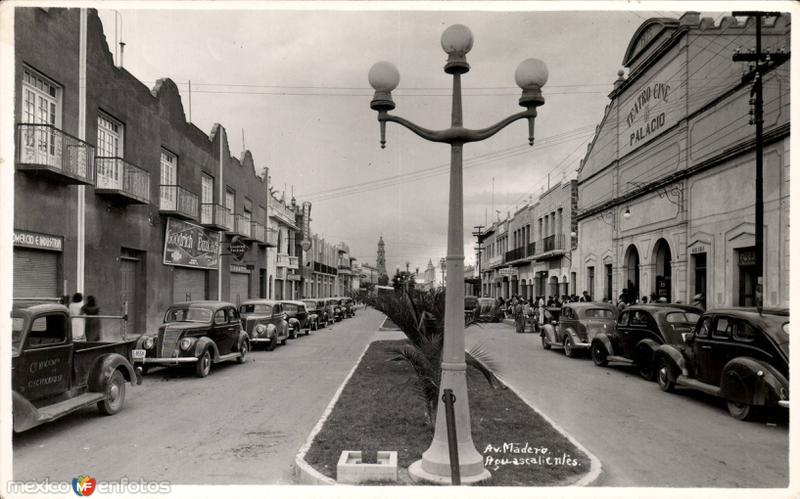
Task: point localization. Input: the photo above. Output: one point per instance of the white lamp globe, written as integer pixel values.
(531, 73)
(384, 76)
(457, 39)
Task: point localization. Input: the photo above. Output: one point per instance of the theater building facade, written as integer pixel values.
(666, 191)
(116, 195)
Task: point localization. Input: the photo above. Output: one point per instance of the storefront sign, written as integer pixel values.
(306, 242)
(190, 245)
(698, 249)
(293, 277)
(651, 108)
(239, 269)
(509, 272)
(38, 241)
(747, 257)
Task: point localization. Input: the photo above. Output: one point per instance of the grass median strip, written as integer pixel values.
(380, 410)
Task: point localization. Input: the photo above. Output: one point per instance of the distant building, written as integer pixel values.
(383, 277)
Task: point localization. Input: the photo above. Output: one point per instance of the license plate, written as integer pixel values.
(138, 354)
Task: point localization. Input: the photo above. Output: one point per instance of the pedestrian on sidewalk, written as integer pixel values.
(78, 333)
(92, 327)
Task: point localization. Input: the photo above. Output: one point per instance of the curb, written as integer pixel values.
(305, 474)
(596, 467)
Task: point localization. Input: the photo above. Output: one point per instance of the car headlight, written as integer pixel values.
(261, 329)
(186, 343)
(148, 343)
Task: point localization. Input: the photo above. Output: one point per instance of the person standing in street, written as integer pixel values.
(78, 324)
(519, 317)
(92, 326)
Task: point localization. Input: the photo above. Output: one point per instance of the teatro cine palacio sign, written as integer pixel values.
(651, 108)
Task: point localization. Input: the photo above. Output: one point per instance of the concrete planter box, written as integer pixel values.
(350, 469)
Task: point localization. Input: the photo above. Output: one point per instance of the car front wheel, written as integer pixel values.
(203, 366)
(599, 354)
(742, 411)
(545, 344)
(242, 352)
(664, 375)
(569, 347)
(115, 395)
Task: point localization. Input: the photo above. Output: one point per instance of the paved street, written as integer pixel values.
(643, 437)
(242, 424)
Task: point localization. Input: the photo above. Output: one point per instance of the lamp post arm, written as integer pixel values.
(485, 133)
(432, 135)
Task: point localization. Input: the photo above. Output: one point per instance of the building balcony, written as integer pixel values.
(515, 254)
(551, 247)
(216, 217)
(122, 181)
(324, 269)
(345, 270)
(261, 234)
(46, 151)
(531, 249)
(241, 226)
(290, 262)
(176, 201)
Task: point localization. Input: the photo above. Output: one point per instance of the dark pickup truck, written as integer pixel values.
(53, 376)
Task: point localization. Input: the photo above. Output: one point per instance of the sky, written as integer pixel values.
(291, 87)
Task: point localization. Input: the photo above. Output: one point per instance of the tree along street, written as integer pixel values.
(243, 424)
(642, 436)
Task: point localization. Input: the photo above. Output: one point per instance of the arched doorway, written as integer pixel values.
(564, 286)
(632, 272)
(523, 289)
(663, 281)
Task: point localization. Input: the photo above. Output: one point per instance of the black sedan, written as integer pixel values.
(196, 333)
(640, 330)
(737, 354)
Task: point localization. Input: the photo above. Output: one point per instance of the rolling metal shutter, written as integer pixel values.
(240, 286)
(188, 285)
(35, 274)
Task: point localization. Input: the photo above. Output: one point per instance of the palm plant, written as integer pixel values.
(420, 315)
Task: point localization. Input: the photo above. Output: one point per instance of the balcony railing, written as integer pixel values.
(554, 243)
(241, 225)
(215, 216)
(258, 232)
(124, 181)
(515, 254)
(325, 269)
(47, 151)
(290, 262)
(177, 201)
(531, 249)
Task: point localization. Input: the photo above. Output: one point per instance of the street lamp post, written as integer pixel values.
(531, 75)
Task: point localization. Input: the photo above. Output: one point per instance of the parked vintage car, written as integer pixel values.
(488, 311)
(317, 313)
(52, 376)
(470, 308)
(333, 309)
(737, 354)
(348, 307)
(198, 333)
(641, 329)
(298, 317)
(265, 322)
(575, 325)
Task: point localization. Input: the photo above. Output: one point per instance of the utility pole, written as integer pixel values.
(478, 233)
(762, 61)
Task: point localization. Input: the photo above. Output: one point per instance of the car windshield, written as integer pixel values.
(17, 324)
(289, 307)
(258, 308)
(470, 302)
(187, 314)
(690, 317)
(599, 313)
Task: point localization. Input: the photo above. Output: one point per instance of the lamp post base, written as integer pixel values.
(418, 474)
